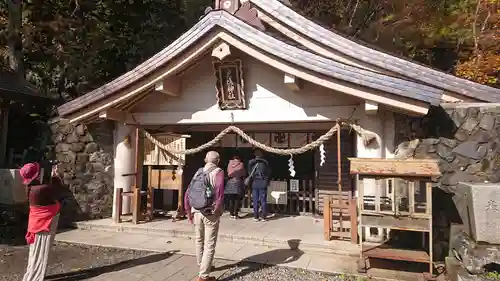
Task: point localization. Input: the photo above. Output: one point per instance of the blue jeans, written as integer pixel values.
(259, 195)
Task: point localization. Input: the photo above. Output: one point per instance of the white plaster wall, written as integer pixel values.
(269, 99)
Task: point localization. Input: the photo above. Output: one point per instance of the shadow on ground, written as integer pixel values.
(94, 272)
(264, 260)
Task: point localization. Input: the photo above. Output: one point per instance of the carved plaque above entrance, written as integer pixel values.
(229, 84)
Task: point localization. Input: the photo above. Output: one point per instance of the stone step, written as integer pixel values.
(344, 248)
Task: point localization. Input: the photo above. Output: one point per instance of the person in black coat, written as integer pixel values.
(260, 174)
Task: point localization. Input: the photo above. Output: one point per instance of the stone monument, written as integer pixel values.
(475, 244)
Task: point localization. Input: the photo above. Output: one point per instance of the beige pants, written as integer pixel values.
(206, 230)
(39, 253)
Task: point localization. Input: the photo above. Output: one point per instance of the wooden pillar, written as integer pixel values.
(327, 217)
(124, 164)
(4, 124)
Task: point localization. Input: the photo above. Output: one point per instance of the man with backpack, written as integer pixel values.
(204, 205)
(259, 180)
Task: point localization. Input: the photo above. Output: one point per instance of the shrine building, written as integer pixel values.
(284, 81)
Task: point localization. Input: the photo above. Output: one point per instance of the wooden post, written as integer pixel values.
(4, 123)
(136, 206)
(354, 220)
(136, 189)
(118, 206)
(327, 217)
(339, 179)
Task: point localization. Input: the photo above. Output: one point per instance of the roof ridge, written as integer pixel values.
(357, 50)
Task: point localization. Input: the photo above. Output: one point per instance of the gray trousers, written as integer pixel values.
(206, 230)
(39, 253)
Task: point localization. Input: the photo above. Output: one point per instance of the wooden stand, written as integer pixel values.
(388, 212)
(166, 179)
(136, 195)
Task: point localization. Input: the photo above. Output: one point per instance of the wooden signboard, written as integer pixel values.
(153, 155)
(298, 139)
(263, 138)
(279, 140)
(165, 179)
(394, 167)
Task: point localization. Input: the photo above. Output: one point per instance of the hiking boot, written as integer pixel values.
(210, 278)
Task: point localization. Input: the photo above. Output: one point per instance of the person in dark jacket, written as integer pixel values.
(235, 185)
(260, 173)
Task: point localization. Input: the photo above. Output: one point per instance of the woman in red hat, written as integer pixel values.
(43, 218)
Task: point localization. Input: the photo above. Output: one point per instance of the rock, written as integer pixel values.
(66, 157)
(82, 158)
(101, 157)
(487, 122)
(430, 141)
(63, 147)
(456, 177)
(457, 119)
(77, 147)
(91, 147)
(480, 136)
(470, 125)
(474, 168)
(462, 135)
(72, 138)
(97, 167)
(80, 130)
(473, 112)
(443, 151)
(461, 111)
(468, 149)
(448, 142)
(86, 138)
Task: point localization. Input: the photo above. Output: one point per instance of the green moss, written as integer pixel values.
(492, 275)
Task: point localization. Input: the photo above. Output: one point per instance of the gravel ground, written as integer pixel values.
(63, 258)
(253, 272)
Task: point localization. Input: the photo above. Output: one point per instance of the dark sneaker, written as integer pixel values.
(206, 279)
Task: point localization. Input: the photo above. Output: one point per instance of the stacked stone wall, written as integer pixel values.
(85, 157)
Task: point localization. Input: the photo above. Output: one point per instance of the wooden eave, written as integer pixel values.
(220, 25)
(17, 89)
(339, 44)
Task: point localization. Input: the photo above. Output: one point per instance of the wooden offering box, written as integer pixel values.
(395, 194)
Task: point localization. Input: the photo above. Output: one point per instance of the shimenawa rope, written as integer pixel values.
(366, 135)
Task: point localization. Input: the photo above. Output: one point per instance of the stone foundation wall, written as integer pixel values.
(85, 156)
(466, 141)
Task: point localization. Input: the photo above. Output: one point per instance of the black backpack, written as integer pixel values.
(200, 192)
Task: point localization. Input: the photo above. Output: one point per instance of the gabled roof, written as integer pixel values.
(13, 87)
(383, 60)
(268, 44)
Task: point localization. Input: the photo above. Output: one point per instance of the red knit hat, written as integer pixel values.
(30, 172)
